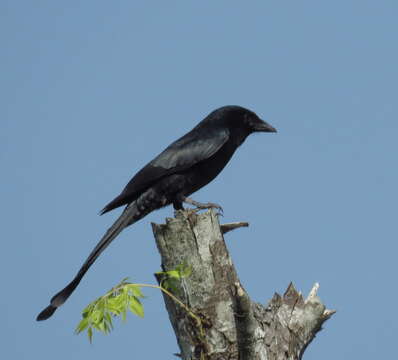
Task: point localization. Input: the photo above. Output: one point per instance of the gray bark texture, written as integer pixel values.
(227, 323)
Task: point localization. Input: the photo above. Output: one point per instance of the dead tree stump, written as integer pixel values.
(232, 326)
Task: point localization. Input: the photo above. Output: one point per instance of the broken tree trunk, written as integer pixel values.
(231, 325)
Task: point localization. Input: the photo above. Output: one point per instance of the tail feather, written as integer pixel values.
(129, 216)
(46, 313)
(118, 201)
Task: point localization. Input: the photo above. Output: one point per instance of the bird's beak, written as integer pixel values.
(263, 126)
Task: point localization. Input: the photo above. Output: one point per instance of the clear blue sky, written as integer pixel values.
(92, 90)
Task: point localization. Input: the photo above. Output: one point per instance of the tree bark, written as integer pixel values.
(231, 325)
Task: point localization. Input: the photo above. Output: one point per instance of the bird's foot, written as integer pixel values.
(201, 206)
(209, 205)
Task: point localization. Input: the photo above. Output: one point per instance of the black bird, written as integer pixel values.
(184, 167)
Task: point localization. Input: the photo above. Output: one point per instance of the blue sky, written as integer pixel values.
(91, 91)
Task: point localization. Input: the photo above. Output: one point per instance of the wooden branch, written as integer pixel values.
(232, 226)
(231, 325)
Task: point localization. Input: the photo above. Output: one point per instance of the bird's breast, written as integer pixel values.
(205, 171)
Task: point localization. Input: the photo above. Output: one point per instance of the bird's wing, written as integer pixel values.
(192, 148)
(187, 151)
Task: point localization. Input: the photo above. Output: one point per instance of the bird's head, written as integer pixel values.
(240, 118)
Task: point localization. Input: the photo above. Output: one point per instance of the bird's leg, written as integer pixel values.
(177, 205)
(200, 206)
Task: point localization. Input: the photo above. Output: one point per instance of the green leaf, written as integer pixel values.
(90, 334)
(97, 316)
(116, 302)
(174, 274)
(83, 324)
(108, 319)
(124, 314)
(136, 307)
(101, 326)
(179, 272)
(171, 284)
(136, 290)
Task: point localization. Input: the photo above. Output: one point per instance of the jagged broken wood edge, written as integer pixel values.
(303, 318)
(281, 330)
